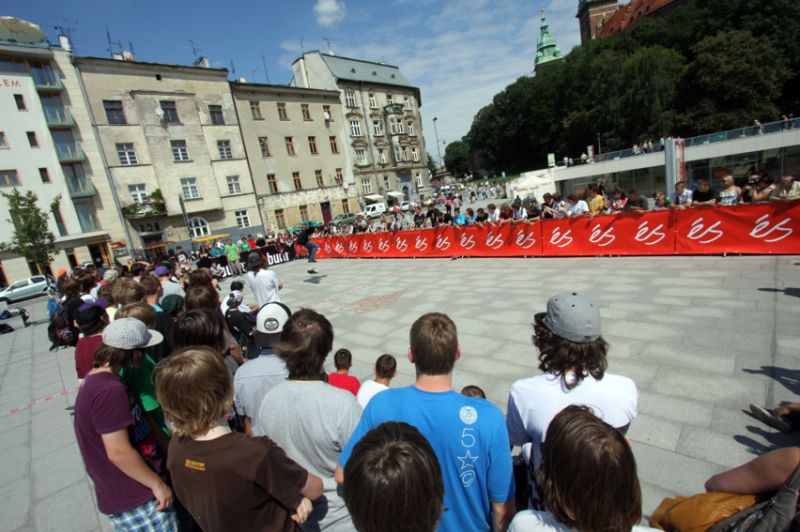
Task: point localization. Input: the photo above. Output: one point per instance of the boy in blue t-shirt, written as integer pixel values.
(467, 434)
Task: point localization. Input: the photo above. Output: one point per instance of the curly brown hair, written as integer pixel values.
(560, 356)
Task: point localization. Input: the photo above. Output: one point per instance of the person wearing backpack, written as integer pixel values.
(62, 331)
(241, 324)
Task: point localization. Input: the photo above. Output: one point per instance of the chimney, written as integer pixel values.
(65, 43)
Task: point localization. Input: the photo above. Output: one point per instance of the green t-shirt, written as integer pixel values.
(244, 246)
(139, 383)
(232, 252)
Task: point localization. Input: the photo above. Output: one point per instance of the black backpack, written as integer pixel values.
(59, 332)
(242, 328)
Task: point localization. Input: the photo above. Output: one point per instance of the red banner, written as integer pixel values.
(750, 229)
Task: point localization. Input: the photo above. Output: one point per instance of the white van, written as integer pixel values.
(374, 210)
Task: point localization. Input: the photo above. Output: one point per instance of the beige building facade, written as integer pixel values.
(296, 149)
(382, 122)
(171, 140)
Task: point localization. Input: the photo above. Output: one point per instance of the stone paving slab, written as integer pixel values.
(701, 336)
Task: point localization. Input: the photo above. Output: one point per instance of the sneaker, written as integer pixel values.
(315, 260)
(312, 271)
(766, 416)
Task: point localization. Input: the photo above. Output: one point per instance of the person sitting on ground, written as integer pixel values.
(263, 282)
(589, 478)
(311, 420)
(682, 197)
(730, 194)
(576, 207)
(636, 202)
(394, 472)
(597, 203)
(227, 480)
(91, 320)
(473, 391)
(168, 286)
(785, 418)
(703, 196)
(765, 474)
(789, 190)
(385, 370)
(126, 488)
(572, 355)
(472, 447)
(259, 375)
(343, 360)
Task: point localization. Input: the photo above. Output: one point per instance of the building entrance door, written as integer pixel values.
(326, 212)
(100, 255)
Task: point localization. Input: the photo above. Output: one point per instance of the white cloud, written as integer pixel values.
(329, 12)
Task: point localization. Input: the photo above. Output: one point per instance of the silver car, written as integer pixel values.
(27, 288)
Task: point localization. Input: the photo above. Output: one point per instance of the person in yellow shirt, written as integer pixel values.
(597, 203)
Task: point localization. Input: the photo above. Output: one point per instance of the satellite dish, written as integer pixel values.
(160, 112)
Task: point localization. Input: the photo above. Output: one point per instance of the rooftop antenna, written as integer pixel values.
(329, 41)
(233, 69)
(130, 47)
(113, 46)
(253, 74)
(195, 50)
(302, 45)
(264, 62)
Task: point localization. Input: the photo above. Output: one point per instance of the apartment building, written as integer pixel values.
(47, 146)
(381, 109)
(296, 149)
(171, 140)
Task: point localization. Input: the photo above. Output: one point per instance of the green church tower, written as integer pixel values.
(547, 50)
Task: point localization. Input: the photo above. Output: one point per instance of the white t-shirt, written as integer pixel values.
(264, 285)
(579, 208)
(532, 521)
(535, 401)
(368, 390)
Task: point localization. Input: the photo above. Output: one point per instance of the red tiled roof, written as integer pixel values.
(630, 14)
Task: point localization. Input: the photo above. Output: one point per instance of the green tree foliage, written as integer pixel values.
(431, 162)
(706, 66)
(456, 158)
(32, 237)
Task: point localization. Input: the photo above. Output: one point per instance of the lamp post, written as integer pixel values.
(599, 150)
(438, 149)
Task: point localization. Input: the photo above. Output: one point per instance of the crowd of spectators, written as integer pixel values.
(197, 412)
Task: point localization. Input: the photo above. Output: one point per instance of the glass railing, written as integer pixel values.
(47, 83)
(58, 117)
(80, 187)
(69, 152)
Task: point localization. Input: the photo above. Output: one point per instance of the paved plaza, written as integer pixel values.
(701, 336)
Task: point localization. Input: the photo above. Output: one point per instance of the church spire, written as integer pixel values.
(547, 50)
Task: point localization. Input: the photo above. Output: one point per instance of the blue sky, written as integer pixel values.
(459, 52)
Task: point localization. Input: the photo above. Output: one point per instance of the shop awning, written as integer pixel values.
(373, 197)
(210, 238)
(157, 245)
(395, 194)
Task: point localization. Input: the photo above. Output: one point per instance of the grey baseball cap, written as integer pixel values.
(571, 316)
(130, 333)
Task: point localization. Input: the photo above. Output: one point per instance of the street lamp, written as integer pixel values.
(599, 150)
(438, 149)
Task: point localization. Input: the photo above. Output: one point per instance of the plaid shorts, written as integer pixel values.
(145, 518)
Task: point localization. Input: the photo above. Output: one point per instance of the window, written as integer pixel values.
(255, 110)
(127, 155)
(189, 188)
(355, 128)
(419, 179)
(400, 127)
(273, 183)
(366, 185)
(410, 124)
(377, 127)
(216, 114)
(8, 178)
(4, 141)
(62, 227)
(290, 146)
(312, 145)
(339, 177)
(87, 215)
(381, 156)
(415, 154)
(334, 145)
(138, 193)
(114, 112)
(170, 112)
(282, 111)
(242, 219)
(198, 227)
(306, 112)
(373, 103)
(304, 213)
(407, 102)
(224, 147)
(263, 143)
(350, 98)
(386, 182)
(405, 153)
(345, 206)
(320, 181)
(389, 98)
(397, 153)
(392, 126)
(361, 156)
(234, 187)
(179, 150)
(32, 140)
(279, 219)
(20, 100)
(298, 183)
(44, 174)
(326, 112)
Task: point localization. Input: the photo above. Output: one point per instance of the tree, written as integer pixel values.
(456, 158)
(431, 164)
(31, 238)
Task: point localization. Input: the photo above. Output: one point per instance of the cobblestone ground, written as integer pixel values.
(701, 336)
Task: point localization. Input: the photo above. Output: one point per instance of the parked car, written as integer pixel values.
(27, 288)
(406, 205)
(373, 210)
(295, 229)
(344, 219)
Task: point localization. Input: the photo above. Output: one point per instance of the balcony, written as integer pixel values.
(47, 84)
(80, 188)
(59, 118)
(70, 153)
(144, 209)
